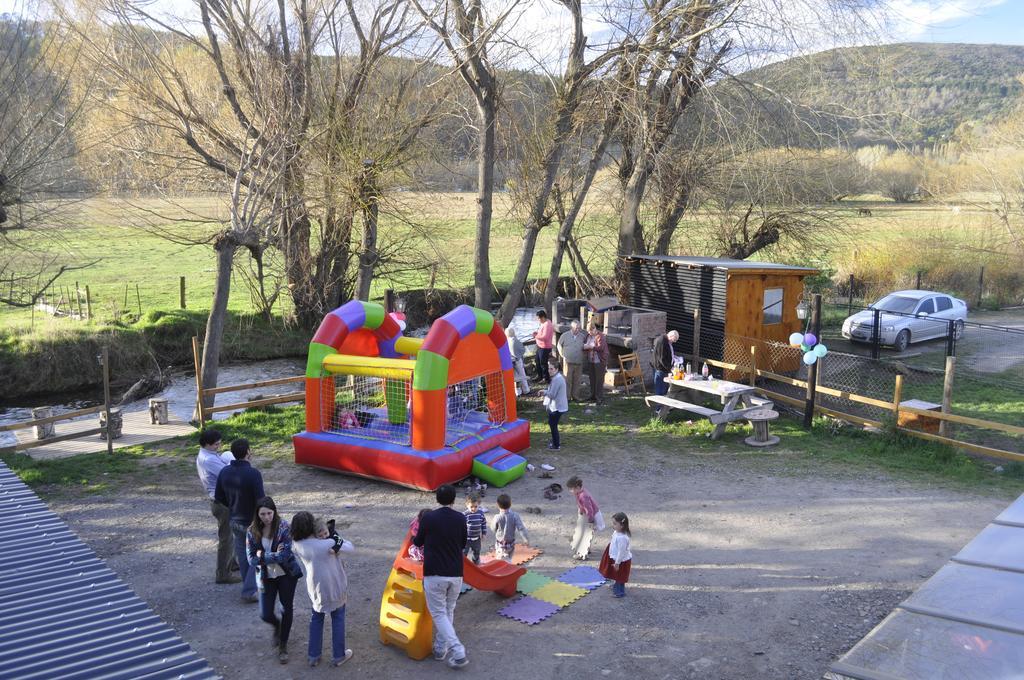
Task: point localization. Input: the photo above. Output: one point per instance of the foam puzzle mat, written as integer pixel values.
(558, 593)
(530, 581)
(522, 555)
(583, 576)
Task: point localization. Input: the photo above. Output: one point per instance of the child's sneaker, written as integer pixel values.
(458, 663)
(338, 662)
(440, 656)
(554, 448)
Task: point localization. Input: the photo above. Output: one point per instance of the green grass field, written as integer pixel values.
(137, 269)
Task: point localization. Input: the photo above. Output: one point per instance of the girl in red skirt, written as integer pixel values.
(617, 558)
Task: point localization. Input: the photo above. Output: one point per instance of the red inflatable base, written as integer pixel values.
(401, 464)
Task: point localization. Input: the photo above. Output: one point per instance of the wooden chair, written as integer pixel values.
(632, 372)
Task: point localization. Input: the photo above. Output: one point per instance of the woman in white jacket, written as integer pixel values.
(556, 401)
(321, 552)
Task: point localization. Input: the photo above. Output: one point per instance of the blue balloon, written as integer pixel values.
(810, 358)
(796, 339)
(820, 350)
(810, 340)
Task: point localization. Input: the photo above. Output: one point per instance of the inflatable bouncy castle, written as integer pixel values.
(417, 412)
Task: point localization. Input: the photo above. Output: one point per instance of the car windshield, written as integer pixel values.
(896, 303)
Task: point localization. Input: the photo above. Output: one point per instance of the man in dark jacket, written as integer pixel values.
(442, 535)
(239, 486)
(662, 361)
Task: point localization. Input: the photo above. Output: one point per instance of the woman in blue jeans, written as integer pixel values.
(321, 552)
(268, 545)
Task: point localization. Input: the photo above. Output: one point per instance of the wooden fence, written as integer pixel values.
(105, 407)
(203, 412)
(895, 406)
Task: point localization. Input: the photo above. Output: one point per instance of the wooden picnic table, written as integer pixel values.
(737, 400)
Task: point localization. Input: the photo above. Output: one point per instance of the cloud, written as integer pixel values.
(914, 18)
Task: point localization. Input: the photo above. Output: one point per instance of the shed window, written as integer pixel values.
(772, 306)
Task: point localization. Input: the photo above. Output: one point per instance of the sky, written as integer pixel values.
(961, 21)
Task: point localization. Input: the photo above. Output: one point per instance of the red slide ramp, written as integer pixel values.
(497, 576)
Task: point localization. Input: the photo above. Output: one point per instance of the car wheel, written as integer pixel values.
(902, 340)
(958, 329)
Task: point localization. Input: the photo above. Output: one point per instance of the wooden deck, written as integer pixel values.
(136, 430)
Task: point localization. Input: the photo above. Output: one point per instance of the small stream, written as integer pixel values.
(181, 392)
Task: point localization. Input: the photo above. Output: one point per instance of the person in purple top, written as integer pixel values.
(442, 535)
(239, 486)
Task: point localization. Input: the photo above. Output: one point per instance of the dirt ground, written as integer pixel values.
(745, 566)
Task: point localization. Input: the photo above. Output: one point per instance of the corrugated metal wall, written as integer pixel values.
(678, 291)
(65, 614)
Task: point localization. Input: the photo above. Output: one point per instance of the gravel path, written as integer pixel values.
(744, 566)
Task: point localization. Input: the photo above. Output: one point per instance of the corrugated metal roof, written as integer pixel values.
(65, 614)
(721, 262)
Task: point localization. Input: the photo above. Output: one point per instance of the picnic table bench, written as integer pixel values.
(737, 401)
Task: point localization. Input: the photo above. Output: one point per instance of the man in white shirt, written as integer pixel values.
(209, 463)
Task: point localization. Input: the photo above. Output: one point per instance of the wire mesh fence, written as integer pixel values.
(474, 406)
(366, 406)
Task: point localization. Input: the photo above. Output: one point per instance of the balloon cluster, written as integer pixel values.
(808, 343)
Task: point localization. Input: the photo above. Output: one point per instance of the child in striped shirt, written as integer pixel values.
(476, 527)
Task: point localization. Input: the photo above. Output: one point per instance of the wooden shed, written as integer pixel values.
(741, 302)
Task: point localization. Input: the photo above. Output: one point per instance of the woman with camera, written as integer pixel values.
(321, 549)
(268, 544)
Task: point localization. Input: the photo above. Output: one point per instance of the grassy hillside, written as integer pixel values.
(911, 93)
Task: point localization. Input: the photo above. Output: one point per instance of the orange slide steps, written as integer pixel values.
(404, 619)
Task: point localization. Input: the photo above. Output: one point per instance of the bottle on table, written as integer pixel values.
(705, 371)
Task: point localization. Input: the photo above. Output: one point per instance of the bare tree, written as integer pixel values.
(289, 62)
(568, 90)
(469, 29)
(685, 49)
(38, 175)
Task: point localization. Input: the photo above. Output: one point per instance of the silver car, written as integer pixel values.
(909, 316)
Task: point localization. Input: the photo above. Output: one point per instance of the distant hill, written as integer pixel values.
(914, 93)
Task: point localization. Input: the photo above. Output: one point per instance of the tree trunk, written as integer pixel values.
(225, 247)
(368, 256)
(629, 224)
(665, 229)
(486, 153)
(551, 163)
(569, 220)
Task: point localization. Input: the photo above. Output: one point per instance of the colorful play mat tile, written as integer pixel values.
(583, 576)
(522, 555)
(530, 581)
(558, 593)
(529, 610)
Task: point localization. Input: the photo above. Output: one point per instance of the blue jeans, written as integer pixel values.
(660, 386)
(542, 356)
(283, 588)
(553, 418)
(247, 573)
(619, 589)
(316, 634)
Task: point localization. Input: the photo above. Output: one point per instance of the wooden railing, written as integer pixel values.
(44, 441)
(203, 411)
(894, 406)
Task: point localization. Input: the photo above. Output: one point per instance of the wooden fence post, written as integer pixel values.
(88, 304)
(200, 412)
(106, 398)
(138, 298)
(849, 311)
(981, 286)
(753, 364)
(897, 397)
(696, 340)
(812, 370)
(945, 427)
(181, 292)
(78, 300)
